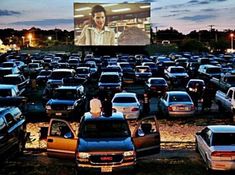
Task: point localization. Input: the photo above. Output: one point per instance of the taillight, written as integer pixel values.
(114, 110)
(134, 109)
(170, 108)
(223, 154)
(192, 107)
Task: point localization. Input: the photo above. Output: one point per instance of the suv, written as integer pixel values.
(104, 143)
(12, 131)
(66, 101)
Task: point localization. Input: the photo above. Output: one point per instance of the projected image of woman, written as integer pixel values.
(97, 33)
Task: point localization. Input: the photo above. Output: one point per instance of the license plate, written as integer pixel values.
(181, 108)
(105, 169)
(58, 113)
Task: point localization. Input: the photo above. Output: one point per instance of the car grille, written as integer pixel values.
(59, 107)
(106, 159)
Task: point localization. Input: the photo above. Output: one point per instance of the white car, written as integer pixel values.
(127, 103)
(216, 145)
(176, 103)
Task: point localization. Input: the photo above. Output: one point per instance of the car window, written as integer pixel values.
(59, 128)
(105, 129)
(147, 127)
(5, 92)
(230, 94)
(179, 98)
(109, 79)
(124, 100)
(223, 139)
(3, 126)
(10, 120)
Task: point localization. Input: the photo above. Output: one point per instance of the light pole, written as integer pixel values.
(23, 41)
(232, 35)
(30, 36)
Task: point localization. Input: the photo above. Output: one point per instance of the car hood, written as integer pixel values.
(178, 74)
(105, 144)
(60, 102)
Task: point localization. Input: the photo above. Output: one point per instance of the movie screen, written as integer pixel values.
(112, 24)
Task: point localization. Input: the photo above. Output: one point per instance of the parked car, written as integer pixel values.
(66, 101)
(176, 103)
(224, 83)
(84, 72)
(12, 132)
(104, 144)
(142, 73)
(17, 79)
(207, 71)
(127, 103)
(43, 76)
(11, 96)
(156, 86)
(177, 75)
(109, 82)
(196, 88)
(226, 102)
(216, 145)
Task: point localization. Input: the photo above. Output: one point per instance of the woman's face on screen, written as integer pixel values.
(99, 19)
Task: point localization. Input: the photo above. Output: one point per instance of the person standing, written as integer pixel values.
(97, 33)
(107, 106)
(95, 106)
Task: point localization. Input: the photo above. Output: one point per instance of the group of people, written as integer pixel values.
(98, 32)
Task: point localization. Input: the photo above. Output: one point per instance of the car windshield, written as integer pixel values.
(124, 100)
(213, 70)
(60, 75)
(33, 65)
(83, 71)
(231, 80)
(109, 79)
(45, 73)
(223, 139)
(158, 81)
(179, 98)
(142, 70)
(11, 80)
(65, 94)
(5, 92)
(177, 70)
(105, 129)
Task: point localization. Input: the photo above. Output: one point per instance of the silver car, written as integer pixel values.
(127, 103)
(216, 145)
(176, 103)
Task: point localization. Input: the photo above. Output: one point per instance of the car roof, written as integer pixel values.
(176, 92)
(115, 116)
(125, 94)
(4, 86)
(222, 128)
(12, 75)
(69, 87)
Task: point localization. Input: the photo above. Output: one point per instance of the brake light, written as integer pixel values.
(192, 107)
(223, 154)
(170, 108)
(134, 109)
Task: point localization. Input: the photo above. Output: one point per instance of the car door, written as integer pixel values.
(61, 139)
(146, 136)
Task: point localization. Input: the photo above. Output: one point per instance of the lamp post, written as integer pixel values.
(23, 41)
(232, 35)
(30, 36)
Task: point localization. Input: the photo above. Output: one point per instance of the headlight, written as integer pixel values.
(129, 153)
(70, 107)
(83, 155)
(48, 107)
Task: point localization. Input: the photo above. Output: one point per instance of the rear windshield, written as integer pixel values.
(213, 70)
(179, 98)
(223, 139)
(109, 79)
(124, 100)
(105, 129)
(160, 81)
(5, 92)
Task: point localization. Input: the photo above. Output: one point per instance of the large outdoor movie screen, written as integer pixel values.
(112, 24)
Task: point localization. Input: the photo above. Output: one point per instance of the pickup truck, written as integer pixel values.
(226, 102)
(103, 144)
(12, 132)
(11, 96)
(224, 83)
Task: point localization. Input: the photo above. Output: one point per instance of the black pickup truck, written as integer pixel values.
(224, 83)
(12, 132)
(11, 96)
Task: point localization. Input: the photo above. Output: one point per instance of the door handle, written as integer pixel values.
(49, 140)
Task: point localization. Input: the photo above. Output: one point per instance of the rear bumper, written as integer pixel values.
(181, 113)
